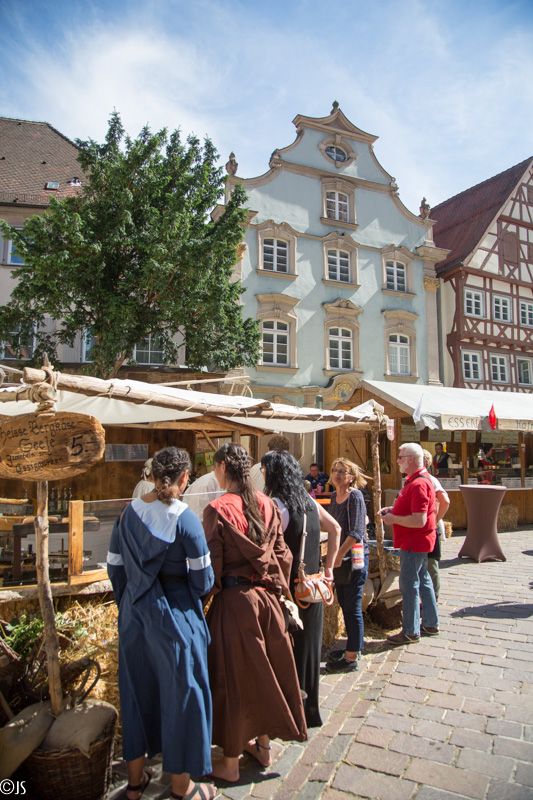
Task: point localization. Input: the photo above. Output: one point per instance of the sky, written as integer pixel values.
(446, 85)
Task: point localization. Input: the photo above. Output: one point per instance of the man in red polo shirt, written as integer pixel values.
(413, 521)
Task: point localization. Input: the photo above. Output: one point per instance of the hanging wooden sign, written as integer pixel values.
(49, 446)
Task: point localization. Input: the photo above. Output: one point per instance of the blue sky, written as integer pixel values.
(447, 85)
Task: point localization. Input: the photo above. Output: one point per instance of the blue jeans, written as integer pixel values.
(350, 597)
(416, 586)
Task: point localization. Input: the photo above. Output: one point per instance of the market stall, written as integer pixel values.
(170, 413)
(486, 438)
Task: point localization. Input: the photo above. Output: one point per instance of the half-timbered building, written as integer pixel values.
(486, 294)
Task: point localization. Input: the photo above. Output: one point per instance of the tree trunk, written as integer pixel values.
(51, 643)
(378, 521)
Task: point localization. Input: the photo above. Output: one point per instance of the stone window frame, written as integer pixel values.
(334, 241)
(399, 255)
(336, 140)
(401, 322)
(339, 337)
(333, 184)
(276, 306)
(284, 232)
(479, 357)
(342, 314)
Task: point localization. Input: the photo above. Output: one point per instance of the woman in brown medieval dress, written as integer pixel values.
(253, 676)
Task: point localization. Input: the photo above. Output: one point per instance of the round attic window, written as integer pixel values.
(336, 153)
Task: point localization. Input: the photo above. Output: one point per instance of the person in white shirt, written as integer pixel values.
(146, 484)
(201, 492)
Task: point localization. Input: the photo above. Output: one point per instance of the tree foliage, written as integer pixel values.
(136, 253)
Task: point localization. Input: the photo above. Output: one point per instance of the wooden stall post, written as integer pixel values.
(522, 457)
(464, 456)
(75, 538)
(51, 641)
(376, 491)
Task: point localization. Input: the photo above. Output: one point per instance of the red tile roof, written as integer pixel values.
(31, 155)
(462, 220)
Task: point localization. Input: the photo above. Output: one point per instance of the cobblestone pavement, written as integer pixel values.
(446, 719)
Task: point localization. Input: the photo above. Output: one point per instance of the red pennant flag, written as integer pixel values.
(492, 418)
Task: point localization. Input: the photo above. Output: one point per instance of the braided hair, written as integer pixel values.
(238, 465)
(168, 466)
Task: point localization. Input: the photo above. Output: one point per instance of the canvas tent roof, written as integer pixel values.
(446, 408)
(119, 402)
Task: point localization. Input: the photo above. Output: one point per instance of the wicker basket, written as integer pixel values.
(71, 775)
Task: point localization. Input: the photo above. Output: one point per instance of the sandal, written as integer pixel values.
(255, 746)
(198, 787)
(140, 787)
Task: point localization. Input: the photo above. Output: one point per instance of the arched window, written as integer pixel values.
(340, 349)
(275, 338)
(276, 250)
(399, 356)
(339, 266)
(396, 276)
(338, 203)
(275, 255)
(337, 206)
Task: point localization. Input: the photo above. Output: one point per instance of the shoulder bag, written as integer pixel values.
(310, 588)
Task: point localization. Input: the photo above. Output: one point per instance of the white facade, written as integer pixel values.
(338, 272)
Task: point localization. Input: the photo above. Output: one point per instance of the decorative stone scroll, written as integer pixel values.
(49, 446)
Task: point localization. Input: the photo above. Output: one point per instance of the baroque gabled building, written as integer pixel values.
(339, 273)
(486, 295)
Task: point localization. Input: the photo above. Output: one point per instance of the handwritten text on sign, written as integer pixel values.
(49, 446)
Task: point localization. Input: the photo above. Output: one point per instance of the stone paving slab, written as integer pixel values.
(450, 718)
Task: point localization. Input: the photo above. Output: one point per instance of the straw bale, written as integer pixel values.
(448, 528)
(508, 518)
(99, 618)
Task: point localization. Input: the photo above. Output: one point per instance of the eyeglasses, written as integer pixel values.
(399, 457)
(340, 472)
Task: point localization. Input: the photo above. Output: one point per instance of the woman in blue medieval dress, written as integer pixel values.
(160, 568)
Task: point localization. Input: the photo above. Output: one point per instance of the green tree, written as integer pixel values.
(135, 253)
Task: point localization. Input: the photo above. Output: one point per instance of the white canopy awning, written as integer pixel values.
(446, 408)
(119, 402)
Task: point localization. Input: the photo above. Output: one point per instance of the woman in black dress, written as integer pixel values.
(284, 482)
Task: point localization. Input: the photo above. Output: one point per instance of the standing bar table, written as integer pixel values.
(482, 506)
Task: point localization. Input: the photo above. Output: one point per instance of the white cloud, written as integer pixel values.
(446, 89)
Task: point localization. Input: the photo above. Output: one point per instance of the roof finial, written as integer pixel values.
(425, 209)
(335, 106)
(231, 165)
